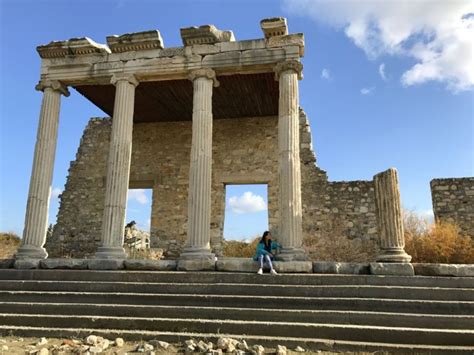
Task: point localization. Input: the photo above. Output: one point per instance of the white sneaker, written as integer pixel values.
(260, 271)
(273, 272)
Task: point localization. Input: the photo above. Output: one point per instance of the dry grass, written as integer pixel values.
(238, 249)
(436, 242)
(9, 243)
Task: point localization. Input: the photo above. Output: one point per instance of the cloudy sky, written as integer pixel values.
(387, 83)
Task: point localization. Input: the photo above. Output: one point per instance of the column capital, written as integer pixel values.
(56, 85)
(292, 65)
(204, 73)
(124, 77)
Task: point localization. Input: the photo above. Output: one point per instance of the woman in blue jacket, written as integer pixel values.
(265, 251)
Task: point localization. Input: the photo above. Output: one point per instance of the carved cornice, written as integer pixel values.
(204, 73)
(273, 27)
(137, 41)
(124, 77)
(206, 34)
(52, 84)
(73, 46)
(292, 65)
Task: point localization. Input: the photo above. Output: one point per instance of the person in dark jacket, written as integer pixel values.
(265, 251)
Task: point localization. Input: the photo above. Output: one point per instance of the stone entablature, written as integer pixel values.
(453, 202)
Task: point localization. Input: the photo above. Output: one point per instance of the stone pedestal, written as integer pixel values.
(199, 196)
(389, 218)
(290, 227)
(36, 219)
(118, 169)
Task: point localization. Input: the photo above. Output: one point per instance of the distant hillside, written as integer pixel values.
(9, 243)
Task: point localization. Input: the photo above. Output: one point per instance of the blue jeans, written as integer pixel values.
(267, 259)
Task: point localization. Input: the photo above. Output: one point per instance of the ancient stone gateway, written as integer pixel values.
(187, 121)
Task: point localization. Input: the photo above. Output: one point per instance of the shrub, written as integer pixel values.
(9, 243)
(439, 242)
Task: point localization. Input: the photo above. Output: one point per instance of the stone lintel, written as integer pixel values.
(398, 269)
(296, 39)
(73, 46)
(206, 34)
(136, 41)
(275, 26)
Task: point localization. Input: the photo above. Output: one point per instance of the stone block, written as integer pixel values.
(63, 264)
(458, 270)
(27, 263)
(398, 269)
(275, 26)
(206, 34)
(105, 264)
(143, 264)
(329, 267)
(136, 41)
(196, 265)
(237, 265)
(293, 266)
(6, 263)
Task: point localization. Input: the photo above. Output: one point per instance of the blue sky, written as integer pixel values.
(383, 86)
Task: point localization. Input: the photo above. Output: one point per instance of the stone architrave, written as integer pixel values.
(36, 219)
(389, 218)
(118, 169)
(199, 196)
(290, 228)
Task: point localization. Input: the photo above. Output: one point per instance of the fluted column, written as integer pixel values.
(389, 218)
(290, 226)
(199, 195)
(36, 219)
(118, 169)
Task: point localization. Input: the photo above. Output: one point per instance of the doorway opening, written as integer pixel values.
(138, 222)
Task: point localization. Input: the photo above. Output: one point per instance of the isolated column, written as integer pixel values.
(199, 196)
(36, 219)
(290, 228)
(389, 218)
(118, 169)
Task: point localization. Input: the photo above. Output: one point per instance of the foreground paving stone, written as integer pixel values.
(105, 264)
(27, 264)
(459, 270)
(328, 267)
(399, 269)
(197, 265)
(63, 264)
(6, 263)
(143, 264)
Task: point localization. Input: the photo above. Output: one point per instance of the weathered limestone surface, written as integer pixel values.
(453, 202)
(27, 263)
(6, 263)
(458, 270)
(118, 169)
(105, 264)
(389, 217)
(143, 264)
(400, 269)
(201, 264)
(62, 263)
(328, 267)
(36, 219)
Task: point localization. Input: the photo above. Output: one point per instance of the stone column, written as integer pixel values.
(389, 218)
(199, 195)
(36, 219)
(118, 169)
(290, 225)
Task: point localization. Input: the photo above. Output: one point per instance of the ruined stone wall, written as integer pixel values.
(453, 202)
(244, 152)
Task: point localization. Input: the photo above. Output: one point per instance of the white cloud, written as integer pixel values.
(438, 35)
(382, 72)
(56, 192)
(247, 203)
(138, 195)
(367, 91)
(326, 74)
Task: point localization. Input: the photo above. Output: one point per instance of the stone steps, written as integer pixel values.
(349, 312)
(339, 291)
(373, 318)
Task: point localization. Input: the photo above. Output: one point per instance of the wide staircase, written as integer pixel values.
(330, 312)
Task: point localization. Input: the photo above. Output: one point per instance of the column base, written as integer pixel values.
(192, 253)
(110, 253)
(393, 255)
(31, 252)
(292, 254)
